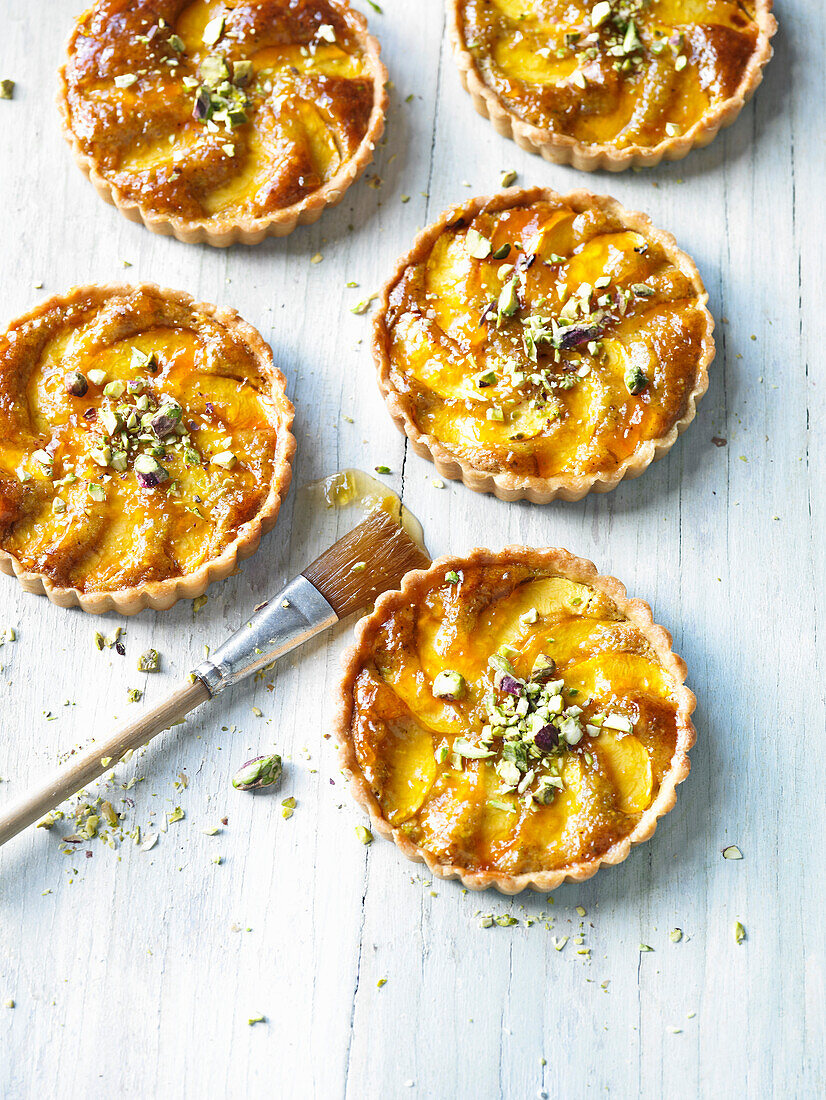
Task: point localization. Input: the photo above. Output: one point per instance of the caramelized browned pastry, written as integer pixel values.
(144, 446)
(209, 115)
(540, 345)
(611, 83)
(513, 719)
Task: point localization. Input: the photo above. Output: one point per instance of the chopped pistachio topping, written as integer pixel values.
(6, 89)
(213, 30)
(739, 932)
(449, 685)
(477, 245)
(364, 834)
(732, 852)
(529, 728)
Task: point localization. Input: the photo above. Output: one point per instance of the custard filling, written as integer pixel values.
(544, 341)
(513, 720)
(616, 72)
(211, 108)
(138, 437)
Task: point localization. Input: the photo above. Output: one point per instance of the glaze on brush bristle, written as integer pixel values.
(369, 560)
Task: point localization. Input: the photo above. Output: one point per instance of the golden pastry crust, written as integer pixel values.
(451, 803)
(221, 121)
(603, 96)
(145, 447)
(496, 398)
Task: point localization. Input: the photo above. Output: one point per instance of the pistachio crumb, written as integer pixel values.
(364, 834)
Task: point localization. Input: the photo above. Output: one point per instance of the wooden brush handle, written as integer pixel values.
(88, 765)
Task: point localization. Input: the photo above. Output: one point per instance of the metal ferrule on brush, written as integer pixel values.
(285, 622)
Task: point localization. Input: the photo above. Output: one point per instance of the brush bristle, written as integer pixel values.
(367, 561)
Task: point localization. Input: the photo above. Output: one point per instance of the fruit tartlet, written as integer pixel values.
(513, 719)
(145, 447)
(222, 120)
(611, 83)
(538, 345)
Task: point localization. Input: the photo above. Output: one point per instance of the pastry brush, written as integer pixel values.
(367, 561)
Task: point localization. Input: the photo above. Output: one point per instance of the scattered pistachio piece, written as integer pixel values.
(732, 852)
(134, 694)
(256, 1020)
(363, 305)
(262, 771)
(676, 935)
(381, 982)
(739, 932)
(508, 178)
(6, 89)
(364, 834)
(149, 661)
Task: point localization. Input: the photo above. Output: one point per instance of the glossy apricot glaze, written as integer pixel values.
(611, 72)
(545, 339)
(208, 109)
(511, 720)
(138, 436)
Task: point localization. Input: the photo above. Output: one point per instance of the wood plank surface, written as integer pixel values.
(134, 973)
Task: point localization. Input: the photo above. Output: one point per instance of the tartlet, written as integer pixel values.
(222, 120)
(539, 345)
(513, 720)
(145, 447)
(611, 83)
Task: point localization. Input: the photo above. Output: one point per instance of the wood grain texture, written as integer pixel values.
(135, 973)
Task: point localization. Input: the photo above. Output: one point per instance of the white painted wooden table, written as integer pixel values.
(135, 973)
